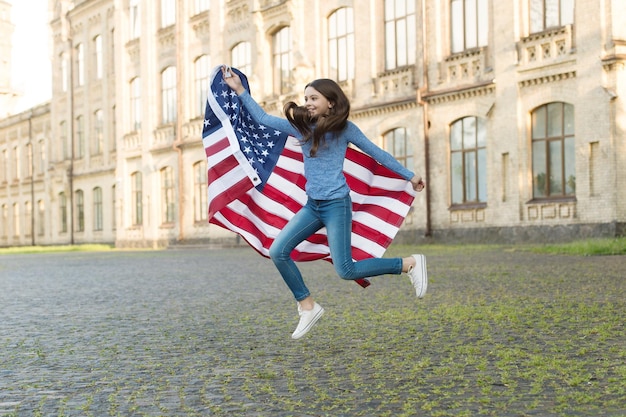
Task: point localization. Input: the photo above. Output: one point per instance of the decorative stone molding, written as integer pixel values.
(464, 68)
(164, 136)
(396, 83)
(557, 211)
(133, 48)
(200, 24)
(131, 141)
(545, 79)
(385, 108)
(461, 93)
(545, 48)
(167, 37)
(470, 215)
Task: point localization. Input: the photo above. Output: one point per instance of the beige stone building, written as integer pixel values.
(513, 111)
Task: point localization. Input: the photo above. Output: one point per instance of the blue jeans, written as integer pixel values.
(336, 215)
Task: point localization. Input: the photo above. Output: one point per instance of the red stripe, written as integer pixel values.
(217, 147)
(382, 213)
(224, 198)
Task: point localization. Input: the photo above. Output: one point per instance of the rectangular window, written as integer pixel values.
(400, 33)
(135, 104)
(135, 20)
(282, 61)
(137, 196)
(168, 13)
(202, 71)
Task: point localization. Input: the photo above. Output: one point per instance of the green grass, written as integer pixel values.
(588, 247)
(57, 248)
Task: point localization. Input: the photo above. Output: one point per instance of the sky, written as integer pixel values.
(32, 70)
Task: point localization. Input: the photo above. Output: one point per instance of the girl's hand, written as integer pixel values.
(232, 79)
(418, 183)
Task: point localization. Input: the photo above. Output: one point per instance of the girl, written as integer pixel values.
(323, 129)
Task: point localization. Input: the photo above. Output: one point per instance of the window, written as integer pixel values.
(5, 220)
(65, 149)
(168, 95)
(80, 137)
(112, 142)
(80, 64)
(200, 191)
(468, 161)
(282, 60)
(167, 195)
(42, 156)
(168, 13)
(469, 24)
(135, 104)
(80, 211)
(16, 163)
(201, 5)
(64, 72)
(63, 212)
(98, 137)
(137, 203)
(341, 44)
(4, 172)
(16, 220)
(28, 219)
(554, 171)
(397, 143)
(97, 50)
(113, 209)
(97, 209)
(202, 67)
(41, 218)
(546, 14)
(29, 160)
(400, 33)
(241, 57)
(135, 20)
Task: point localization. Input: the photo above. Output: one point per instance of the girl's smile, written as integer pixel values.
(316, 103)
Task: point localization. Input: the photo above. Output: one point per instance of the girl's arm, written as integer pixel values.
(383, 157)
(256, 111)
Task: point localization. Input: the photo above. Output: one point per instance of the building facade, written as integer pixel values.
(513, 112)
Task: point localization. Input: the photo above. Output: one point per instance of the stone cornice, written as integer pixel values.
(460, 93)
(545, 79)
(385, 108)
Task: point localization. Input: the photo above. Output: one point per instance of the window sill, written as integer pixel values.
(467, 206)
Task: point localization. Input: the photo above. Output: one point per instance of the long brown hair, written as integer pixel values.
(335, 121)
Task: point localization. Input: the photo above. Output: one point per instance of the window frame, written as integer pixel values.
(341, 59)
(471, 184)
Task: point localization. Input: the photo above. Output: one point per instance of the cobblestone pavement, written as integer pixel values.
(200, 332)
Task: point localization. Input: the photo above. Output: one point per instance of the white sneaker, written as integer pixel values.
(308, 318)
(418, 275)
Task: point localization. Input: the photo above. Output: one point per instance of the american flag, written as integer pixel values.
(256, 183)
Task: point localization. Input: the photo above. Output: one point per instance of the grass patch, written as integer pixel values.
(57, 248)
(588, 247)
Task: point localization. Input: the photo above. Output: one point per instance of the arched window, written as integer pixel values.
(396, 142)
(80, 210)
(97, 209)
(167, 196)
(137, 198)
(168, 95)
(62, 213)
(202, 67)
(468, 161)
(241, 57)
(200, 207)
(554, 170)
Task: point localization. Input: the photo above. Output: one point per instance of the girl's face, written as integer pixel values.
(316, 103)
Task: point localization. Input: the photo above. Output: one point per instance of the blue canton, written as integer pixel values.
(261, 145)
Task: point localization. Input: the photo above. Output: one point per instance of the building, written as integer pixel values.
(512, 111)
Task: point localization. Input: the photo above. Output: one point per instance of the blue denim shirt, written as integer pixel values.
(324, 175)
